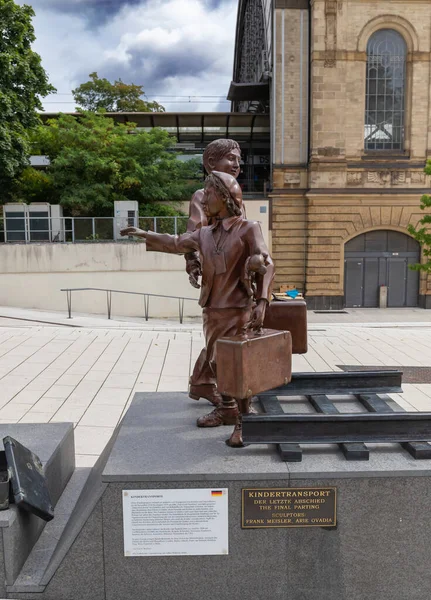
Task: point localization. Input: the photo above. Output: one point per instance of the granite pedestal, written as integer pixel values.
(380, 548)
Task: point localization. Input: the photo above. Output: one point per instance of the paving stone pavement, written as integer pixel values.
(88, 375)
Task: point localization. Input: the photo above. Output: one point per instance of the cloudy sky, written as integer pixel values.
(171, 47)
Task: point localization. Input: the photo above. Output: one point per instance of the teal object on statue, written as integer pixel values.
(292, 294)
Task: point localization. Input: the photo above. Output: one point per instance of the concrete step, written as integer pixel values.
(19, 530)
(31, 575)
(51, 568)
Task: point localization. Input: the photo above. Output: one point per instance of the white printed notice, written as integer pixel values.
(175, 522)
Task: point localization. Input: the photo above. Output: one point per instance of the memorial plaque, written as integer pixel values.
(289, 507)
(177, 522)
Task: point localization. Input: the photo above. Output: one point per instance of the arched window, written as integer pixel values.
(385, 91)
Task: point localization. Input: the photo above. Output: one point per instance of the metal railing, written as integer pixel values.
(109, 299)
(81, 229)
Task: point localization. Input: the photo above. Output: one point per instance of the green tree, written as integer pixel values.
(95, 161)
(33, 185)
(22, 81)
(422, 232)
(100, 94)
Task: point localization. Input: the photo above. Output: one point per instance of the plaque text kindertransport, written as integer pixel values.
(288, 507)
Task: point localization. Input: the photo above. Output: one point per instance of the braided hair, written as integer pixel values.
(216, 182)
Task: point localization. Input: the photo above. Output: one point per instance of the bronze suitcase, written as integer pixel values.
(253, 363)
(289, 315)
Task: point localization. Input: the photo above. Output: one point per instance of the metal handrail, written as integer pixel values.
(109, 299)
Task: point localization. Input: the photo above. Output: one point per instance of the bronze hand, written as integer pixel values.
(133, 231)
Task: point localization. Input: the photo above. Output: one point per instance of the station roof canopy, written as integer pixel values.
(196, 127)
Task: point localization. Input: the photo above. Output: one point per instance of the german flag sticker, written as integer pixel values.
(216, 493)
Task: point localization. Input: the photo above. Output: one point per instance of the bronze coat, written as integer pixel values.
(241, 239)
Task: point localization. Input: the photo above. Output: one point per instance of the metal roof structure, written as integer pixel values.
(198, 128)
(193, 131)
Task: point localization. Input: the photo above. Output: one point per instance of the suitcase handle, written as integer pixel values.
(256, 332)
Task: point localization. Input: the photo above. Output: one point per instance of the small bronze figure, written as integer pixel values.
(224, 247)
(253, 264)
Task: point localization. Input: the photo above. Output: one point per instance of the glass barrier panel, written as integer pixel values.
(104, 229)
(83, 229)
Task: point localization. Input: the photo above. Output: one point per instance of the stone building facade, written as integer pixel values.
(348, 87)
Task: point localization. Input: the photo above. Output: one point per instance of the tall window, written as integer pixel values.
(385, 91)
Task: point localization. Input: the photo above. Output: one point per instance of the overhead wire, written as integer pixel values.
(168, 102)
(179, 99)
(154, 94)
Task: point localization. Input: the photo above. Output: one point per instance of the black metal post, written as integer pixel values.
(69, 302)
(146, 306)
(109, 302)
(181, 308)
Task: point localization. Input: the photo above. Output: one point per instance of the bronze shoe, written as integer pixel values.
(219, 416)
(235, 440)
(207, 391)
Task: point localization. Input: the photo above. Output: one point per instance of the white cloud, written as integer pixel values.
(171, 47)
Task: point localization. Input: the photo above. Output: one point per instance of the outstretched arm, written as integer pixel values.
(163, 242)
(135, 231)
